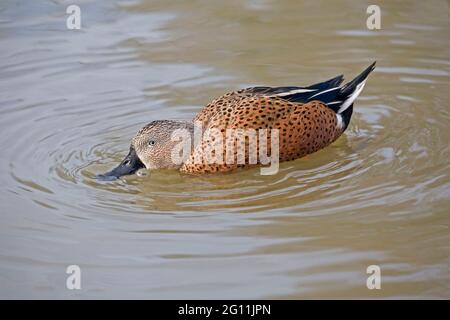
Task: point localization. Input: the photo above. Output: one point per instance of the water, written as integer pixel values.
(71, 100)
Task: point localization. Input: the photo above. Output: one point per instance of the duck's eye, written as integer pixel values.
(151, 142)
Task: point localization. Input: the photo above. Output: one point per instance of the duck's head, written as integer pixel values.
(150, 148)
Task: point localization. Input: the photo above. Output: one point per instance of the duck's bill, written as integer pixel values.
(129, 165)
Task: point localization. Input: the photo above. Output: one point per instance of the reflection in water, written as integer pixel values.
(71, 100)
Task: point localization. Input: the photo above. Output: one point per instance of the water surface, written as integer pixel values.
(71, 100)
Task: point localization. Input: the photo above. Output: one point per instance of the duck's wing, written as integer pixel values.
(298, 94)
(291, 93)
(330, 92)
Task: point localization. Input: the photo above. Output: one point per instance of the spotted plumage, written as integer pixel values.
(307, 119)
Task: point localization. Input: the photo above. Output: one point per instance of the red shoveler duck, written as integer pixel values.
(307, 118)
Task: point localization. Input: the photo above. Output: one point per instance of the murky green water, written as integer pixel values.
(71, 100)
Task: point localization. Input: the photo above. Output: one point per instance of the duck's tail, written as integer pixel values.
(341, 100)
(351, 90)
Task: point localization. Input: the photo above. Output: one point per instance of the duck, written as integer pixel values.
(303, 119)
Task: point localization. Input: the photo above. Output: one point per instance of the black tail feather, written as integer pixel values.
(322, 86)
(341, 99)
(299, 94)
(349, 87)
(348, 93)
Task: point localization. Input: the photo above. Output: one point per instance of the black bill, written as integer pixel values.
(129, 165)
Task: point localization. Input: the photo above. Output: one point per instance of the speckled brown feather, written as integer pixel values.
(303, 128)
